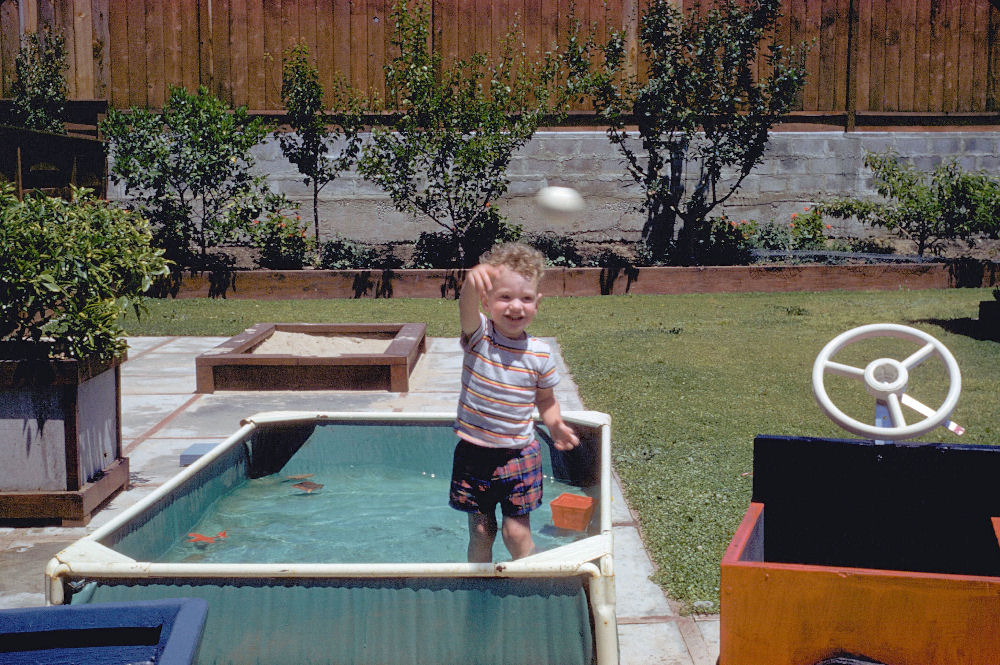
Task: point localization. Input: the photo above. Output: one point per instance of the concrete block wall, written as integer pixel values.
(799, 169)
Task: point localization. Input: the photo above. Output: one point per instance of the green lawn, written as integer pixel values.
(689, 380)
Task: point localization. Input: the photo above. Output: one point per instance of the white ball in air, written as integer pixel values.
(560, 199)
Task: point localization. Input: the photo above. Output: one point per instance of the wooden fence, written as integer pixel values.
(918, 57)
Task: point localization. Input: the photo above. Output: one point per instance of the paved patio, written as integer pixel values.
(162, 416)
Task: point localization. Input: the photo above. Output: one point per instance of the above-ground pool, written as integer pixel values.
(326, 538)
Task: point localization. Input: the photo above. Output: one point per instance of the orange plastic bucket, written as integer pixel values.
(572, 511)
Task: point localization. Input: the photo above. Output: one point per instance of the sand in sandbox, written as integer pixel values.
(304, 344)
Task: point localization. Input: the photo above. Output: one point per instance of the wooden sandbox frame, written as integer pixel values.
(232, 365)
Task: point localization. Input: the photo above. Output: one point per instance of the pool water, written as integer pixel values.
(364, 513)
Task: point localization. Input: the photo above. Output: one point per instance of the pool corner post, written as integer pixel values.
(602, 602)
(55, 594)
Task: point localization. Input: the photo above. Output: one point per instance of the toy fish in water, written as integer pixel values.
(308, 486)
(198, 538)
(299, 476)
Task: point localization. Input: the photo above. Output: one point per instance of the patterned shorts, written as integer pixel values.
(483, 477)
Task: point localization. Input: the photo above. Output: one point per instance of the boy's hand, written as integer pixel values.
(478, 282)
(481, 278)
(563, 436)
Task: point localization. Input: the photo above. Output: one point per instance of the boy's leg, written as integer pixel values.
(517, 535)
(482, 533)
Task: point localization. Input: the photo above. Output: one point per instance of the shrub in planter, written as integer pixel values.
(68, 271)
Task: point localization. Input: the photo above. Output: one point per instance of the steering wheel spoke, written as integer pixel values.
(896, 411)
(841, 369)
(920, 356)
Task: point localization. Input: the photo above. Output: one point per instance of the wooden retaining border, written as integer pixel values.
(310, 284)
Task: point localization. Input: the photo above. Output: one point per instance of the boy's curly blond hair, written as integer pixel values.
(526, 261)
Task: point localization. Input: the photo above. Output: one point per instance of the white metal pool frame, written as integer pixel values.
(590, 557)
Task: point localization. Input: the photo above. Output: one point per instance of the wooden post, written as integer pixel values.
(19, 177)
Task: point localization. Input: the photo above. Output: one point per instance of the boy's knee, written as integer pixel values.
(482, 526)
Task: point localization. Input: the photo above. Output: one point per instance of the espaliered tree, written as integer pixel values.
(703, 113)
(316, 128)
(929, 209)
(189, 170)
(444, 155)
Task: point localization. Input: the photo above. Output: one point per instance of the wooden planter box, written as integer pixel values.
(888, 552)
(233, 366)
(989, 318)
(52, 162)
(60, 438)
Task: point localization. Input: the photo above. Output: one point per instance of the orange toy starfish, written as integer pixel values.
(198, 538)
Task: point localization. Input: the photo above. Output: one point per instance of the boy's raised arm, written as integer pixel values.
(477, 282)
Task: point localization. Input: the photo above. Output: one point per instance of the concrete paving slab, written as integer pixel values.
(637, 595)
(140, 413)
(23, 579)
(621, 515)
(709, 629)
(191, 345)
(139, 345)
(652, 644)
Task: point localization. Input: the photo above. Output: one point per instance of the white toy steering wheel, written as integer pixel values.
(886, 379)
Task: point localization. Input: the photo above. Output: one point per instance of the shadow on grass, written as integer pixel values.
(965, 326)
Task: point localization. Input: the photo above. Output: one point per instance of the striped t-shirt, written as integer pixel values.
(499, 379)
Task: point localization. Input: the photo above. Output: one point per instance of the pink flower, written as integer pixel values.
(794, 215)
(806, 209)
(828, 226)
(792, 225)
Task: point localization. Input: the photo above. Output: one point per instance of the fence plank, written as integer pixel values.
(953, 9)
(993, 85)
(238, 45)
(173, 35)
(980, 55)
(83, 45)
(342, 42)
(841, 23)
(826, 48)
(963, 100)
(10, 35)
(907, 54)
(862, 57)
(890, 80)
(102, 57)
(922, 58)
(324, 46)
(376, 36)
(359, 45)
(876, 84)
(272, 54)
(136, 40)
